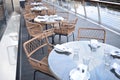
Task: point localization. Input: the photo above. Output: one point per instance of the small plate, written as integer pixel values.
(75, 75)
(78, 77)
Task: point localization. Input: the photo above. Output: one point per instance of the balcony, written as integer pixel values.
(90, 14)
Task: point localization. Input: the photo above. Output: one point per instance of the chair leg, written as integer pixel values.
(59, 38)
(67, 39)
(73, 37)
(53, 39)
(34, 74)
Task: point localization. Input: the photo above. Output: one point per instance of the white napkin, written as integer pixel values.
(94, 43)
(115, 66)
(40, 19)
(61, 48)
(79, 73)
(75, 75)
(115, 52)
(59, 18)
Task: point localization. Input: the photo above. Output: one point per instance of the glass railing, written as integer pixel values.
(102, 12)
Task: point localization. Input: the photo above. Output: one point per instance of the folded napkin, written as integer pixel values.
(116, 69)
(40, 19)
(115, 66)
(59, 18)
(36, 3)
(62, 49)
(79, 73)
(94, 43)
(115, 52)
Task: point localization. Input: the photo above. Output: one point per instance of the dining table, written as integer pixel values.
(36, 4)
(50, 20)
(99, 61)
(39, 8)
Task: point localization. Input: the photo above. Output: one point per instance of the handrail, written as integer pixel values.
(105, 2)
(103, 12)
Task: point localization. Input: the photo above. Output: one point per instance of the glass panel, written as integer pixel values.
(110, 15)
(92, 10)
(80, 9)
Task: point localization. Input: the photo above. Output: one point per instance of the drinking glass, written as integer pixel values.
(76, 55)
(86, 61)
(108, 60)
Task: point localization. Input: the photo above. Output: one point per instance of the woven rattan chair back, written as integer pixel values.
(34, 44)
(29, 16)
(91, 33)
(27, 6)
(34, 29)
(37, 44)
(66, 29)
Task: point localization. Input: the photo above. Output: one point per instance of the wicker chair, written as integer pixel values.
(66, 29)
(91, 33)
(34, 29)
(27, 6)
(35, 45)
(29, 16)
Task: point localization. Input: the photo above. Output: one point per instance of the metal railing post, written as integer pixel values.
(99, 16)
(84, 9)
(75, 8)
(12, 4)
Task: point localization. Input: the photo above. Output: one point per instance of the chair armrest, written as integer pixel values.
(30, 27)
(51, 45)
(37, 61)
(68, 26)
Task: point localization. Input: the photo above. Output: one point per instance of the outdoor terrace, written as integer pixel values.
(25, 71)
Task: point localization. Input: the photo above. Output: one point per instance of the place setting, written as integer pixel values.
(115, 53)
(79, 73)
(39, 8)
(94, 45)
(36, 3)
(115, 69)
(112, 61)
(62, 49)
